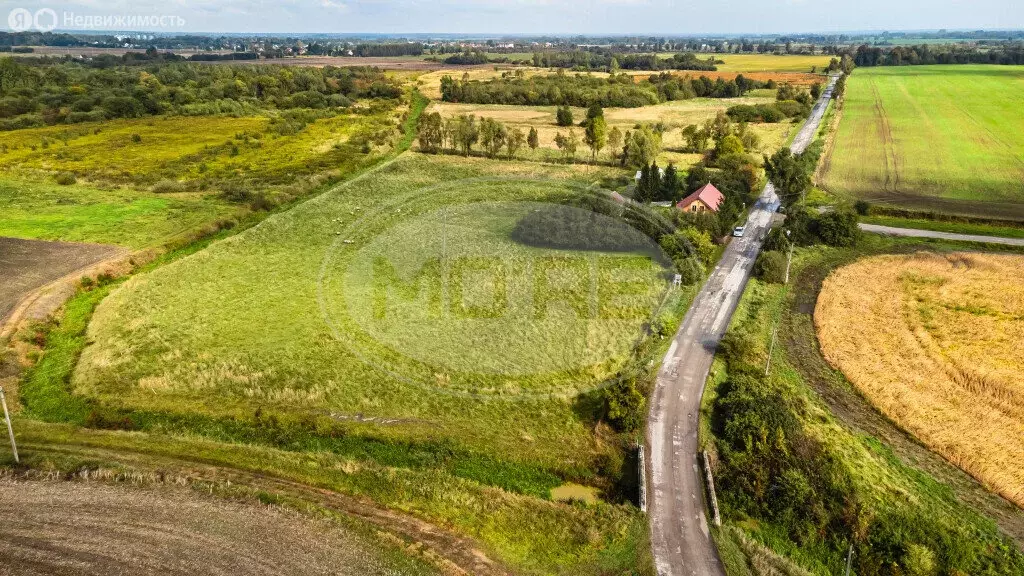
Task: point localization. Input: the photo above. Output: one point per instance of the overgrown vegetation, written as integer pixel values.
(797, 480)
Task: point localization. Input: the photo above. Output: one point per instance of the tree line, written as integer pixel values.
(613, 61)
(36, 92)
(925, 54)
(618, 90)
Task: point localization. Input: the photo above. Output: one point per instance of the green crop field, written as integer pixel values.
(941, 138)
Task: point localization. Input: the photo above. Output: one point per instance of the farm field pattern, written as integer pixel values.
(942, 138)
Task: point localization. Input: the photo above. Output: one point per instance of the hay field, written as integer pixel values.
(674, 114)
(942, 138)
(772, 62)
(934, 342)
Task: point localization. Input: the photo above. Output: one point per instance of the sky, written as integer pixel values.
(495, 17)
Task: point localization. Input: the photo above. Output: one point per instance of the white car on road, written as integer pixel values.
(738, 231)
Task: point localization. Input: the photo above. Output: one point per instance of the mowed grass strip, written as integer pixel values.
(241, 325)
(933, 341)
(943, 138)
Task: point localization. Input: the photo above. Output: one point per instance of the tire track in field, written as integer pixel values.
(888, 143)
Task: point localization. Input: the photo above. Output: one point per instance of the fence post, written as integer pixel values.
(10, 430)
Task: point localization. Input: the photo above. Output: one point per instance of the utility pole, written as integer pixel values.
(849, 559)
(789, 260)
(10, 430)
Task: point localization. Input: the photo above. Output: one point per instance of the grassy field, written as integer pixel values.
(941, 138)
(897, 495)
(110, 215)
(195, 346)
(140, 182)
(675, 115)
(450, 404)
(934, 342)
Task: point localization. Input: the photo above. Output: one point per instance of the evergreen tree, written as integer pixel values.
(670, 183)
(654, 187)
(641, 194)
(563, 116)
(533, 139)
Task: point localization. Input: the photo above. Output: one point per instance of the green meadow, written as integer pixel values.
(112, 215)
(328, 310)
(939, 138)
(140, 182)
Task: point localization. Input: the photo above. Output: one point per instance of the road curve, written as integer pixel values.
(917, 233)
(680, 537)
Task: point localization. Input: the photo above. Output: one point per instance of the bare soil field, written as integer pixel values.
(67, 528)
(933, 341)
(27, 265)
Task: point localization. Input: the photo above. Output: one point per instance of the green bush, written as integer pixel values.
(563, 117)
(862, 207)
(168, 186)
(837, 228)
(771, 266)
(66, 179)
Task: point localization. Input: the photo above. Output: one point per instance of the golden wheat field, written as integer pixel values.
(935, 342)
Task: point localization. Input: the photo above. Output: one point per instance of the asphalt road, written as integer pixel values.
(680, 537)
(916, 233)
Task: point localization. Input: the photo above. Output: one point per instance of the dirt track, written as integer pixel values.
(67, 528)
(27, 265)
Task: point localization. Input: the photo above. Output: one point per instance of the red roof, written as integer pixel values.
(707, 194)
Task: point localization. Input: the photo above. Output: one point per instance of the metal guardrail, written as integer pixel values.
(711, 489)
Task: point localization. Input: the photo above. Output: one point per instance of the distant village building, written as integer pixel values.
(706, 198)
(661, 172)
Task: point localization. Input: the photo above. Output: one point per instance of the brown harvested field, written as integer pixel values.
(76, 528)
(675, 115)
(934, 342)
(27, 265)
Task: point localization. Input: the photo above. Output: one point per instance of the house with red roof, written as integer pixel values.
(706, 198)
